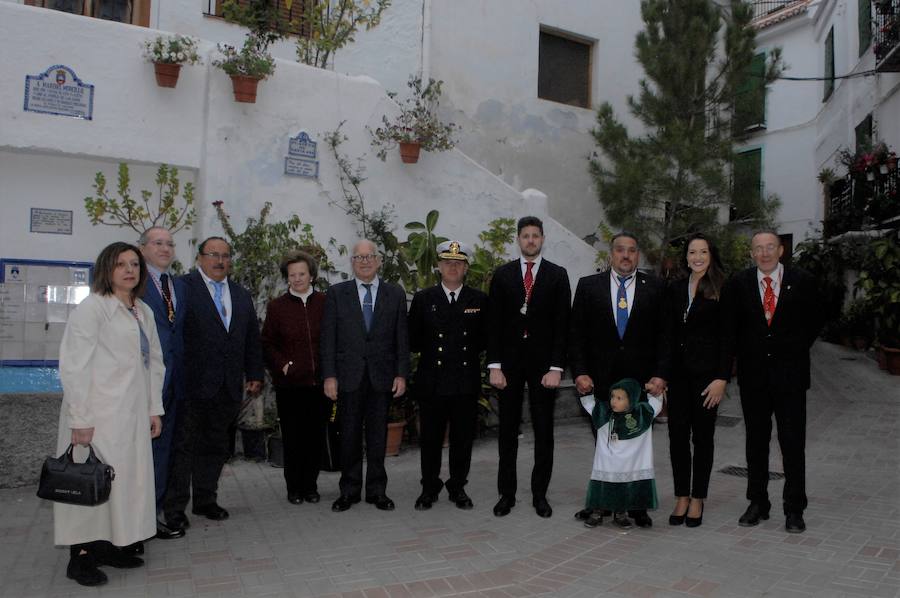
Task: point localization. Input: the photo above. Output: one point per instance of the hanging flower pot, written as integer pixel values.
(870, 174)
(244, 88)
(883, 168)
(166, 73)
(409, 151)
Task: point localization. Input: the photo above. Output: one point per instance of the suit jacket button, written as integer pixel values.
(464, 332)
(440, 349)
(440, 335)
(464, 348)
(465, 363)
(439, 362)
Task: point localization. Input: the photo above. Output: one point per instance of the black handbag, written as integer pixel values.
(87, 484)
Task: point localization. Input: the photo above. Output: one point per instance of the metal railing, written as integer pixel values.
(863, 201)
(763, 8)
(886, 35)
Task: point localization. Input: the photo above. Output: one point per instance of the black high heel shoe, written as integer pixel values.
(694, 521)
(678, 519)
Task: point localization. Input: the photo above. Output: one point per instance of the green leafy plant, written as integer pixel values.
(417, 122)
(879, 282)
(249, 61)
(262, 17)
(420, 250)
(171, 208)
(258, 249)
(491, 253)
(171, 49)
(331, 26)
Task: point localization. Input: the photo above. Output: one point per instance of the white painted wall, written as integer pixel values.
(487, 52)
(234, 151)
(805, 134)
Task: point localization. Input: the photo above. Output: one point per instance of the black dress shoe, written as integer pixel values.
(164, 532)
(542, 507)
(504, 506)
(381, 502)
(641, 519)
(83, 569)
(106, 554)
(461, 500)
(211, 511)
(425, 500)
(753, 514)
(343, 503)
(594, 519)
(294, 498)
(312, 497)
(584, 514)
(177, 520)
(794, 523)
(135, 549)
(622, 521)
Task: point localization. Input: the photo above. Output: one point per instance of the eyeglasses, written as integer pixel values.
(169, 244)
(369, 257)
(764, 249)
(218, 256)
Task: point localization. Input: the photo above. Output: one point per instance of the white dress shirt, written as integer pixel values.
(304, 297)
(455, 292)
(361, 291)
(776, 276)
(226, 295)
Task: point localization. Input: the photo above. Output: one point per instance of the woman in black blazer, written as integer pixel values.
(699, 374)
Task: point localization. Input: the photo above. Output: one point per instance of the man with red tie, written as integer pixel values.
(528, 310)
(773, 317)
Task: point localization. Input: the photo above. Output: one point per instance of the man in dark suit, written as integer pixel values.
(222, 359)
(163, 295)
(620, 329)
(528, 324)
(365, 360)
(773, 317)
(446, 327)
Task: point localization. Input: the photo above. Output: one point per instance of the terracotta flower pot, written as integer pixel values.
(394, 438)
(166, 73)
(880, 358)
(892, 359)
(409, 151)
(244, 88)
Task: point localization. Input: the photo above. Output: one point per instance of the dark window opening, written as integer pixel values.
(564, 70)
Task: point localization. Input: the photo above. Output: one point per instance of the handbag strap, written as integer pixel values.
(92, 457)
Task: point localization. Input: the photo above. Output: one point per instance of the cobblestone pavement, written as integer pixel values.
(272, 548)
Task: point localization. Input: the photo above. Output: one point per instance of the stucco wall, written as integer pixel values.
(235, 152)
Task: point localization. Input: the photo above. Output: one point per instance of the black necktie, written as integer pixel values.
(452, 297)
(167, 296)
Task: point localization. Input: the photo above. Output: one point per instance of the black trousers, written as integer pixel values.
(363, 410)
(541, 403)
(163, 446)
(201, 450)
(691, 422)
(302, 413)
(435, 412)
(789, 408)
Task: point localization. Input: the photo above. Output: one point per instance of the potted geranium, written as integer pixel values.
(246, 67)
(168, 53)
(417, 126)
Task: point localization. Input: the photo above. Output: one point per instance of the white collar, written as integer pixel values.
(303, 296)
(776, 275)
(209, 280)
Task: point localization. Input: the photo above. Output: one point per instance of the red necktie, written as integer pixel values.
(528, 280)
(768, 300)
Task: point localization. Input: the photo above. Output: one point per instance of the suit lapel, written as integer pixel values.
(207, 300)
(351, 293)
(785, 295)
(640, 299)
(606, 299)
(754, 296)
(380, 306)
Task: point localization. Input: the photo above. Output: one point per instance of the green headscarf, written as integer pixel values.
(627, 424)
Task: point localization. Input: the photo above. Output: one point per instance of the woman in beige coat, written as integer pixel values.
(112, 373)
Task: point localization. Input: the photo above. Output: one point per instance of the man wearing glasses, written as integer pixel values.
(222, 359)
(365, 361)
(772, 318)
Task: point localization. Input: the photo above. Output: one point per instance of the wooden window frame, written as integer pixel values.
(572, 37)
(140, 10)
(829, 65)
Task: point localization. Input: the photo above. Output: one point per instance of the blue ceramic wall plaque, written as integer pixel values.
(302, 146)
(301, 167)
(58, 90)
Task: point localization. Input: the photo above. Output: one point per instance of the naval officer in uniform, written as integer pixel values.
(446, 327)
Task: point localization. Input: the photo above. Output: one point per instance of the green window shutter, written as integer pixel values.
(865, 25)
(747, 184)
(864, 133)
(829, 64)
(750, 103)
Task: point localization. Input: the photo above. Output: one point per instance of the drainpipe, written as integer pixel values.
(426, 41)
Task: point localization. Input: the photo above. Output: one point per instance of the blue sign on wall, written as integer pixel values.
(302, 146)
(58, 90)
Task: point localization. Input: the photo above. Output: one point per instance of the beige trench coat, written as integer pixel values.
(105, 386)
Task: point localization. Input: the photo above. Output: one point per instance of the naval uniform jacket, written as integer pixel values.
(450, 339)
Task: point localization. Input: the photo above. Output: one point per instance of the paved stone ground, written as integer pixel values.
(272, 548)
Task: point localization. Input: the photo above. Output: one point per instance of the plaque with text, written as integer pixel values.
(59, 91)
(302, 146)
(57, 222)
(301, 167)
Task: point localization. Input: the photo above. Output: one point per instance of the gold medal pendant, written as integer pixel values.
(622, 303)
(524, 309)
